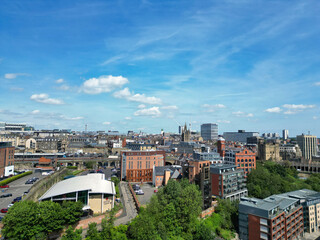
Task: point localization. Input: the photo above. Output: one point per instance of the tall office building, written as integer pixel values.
(240, 136)
(308, 145)
(209, 131)
(285, 134)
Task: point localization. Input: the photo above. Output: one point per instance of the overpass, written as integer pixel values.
(110, 161)
(309, 167)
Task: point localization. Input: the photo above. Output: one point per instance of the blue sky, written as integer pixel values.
(147, 65)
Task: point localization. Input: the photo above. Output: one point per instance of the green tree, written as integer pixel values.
(72, 234)
(71, 211)
(93, 233)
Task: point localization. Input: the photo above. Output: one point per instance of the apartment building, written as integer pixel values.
(272, 218)
(6, 159)
(137, 166)
(243, 158)
(308, 145)
(228, 182)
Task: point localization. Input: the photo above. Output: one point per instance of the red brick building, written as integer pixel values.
(137, 166)
(6, 159)
(243, 158)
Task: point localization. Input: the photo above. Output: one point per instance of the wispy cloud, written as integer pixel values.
(44, 98)
(273, 110)
(152, 112)
(132, 97)
(14, 75)
(242, 114)
(212, 108)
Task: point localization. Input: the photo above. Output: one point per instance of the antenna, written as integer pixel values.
(86, 128)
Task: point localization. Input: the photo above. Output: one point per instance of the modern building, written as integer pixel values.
(209, 131)
(137, 166)
(310, 201)
(243, 158)
(308, 145)
(285, 134)
(6, 159)
(228, 182)
(240, 136)
(198, 172)
(275, 217)
(213, 157)
(92, 190)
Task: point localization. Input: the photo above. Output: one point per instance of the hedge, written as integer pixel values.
(72, 167)
(11, 179)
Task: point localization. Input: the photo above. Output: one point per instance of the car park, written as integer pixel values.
(4, 210)
(4, 186)
(6, 195)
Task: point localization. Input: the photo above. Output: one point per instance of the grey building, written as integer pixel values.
(240, 136)
(308, 145)
(209, 131)
(213, 157)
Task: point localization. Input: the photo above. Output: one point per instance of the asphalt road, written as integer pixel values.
(17, 188)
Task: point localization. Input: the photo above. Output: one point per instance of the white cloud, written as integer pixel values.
(273, 110)
(142, 106)
(223, 121)
(106, 123)
(103, 84)
(14, 75)
(74, 118)
(173, 107)
(35, 112)
(317, 84)
(44, 98)
(60, 80)
(128, 118)
(212, 108)
(153, 112)
(130, 96)
(315, 118)
(242, 114)
(16, 89)
(296, 108)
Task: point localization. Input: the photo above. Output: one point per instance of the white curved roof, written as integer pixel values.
(94, 183)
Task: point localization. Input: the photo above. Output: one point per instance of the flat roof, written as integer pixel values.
(94, 183)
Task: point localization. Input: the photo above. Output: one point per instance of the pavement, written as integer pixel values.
(17, 188)
(311, 236)
(128, 204)
(148, 190)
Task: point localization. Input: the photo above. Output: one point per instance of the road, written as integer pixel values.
(17, 188)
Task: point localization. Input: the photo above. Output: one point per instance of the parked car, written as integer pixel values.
(4, 210)
(10, 205)
(156, 190)
(1, 219)
(136, 186)
(99, 171)
(140, 192)
(6, 195)
(4, 186)
(29, 182)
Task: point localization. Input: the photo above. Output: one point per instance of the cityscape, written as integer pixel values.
(144, 119)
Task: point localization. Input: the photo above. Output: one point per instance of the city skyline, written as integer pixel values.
(146, 65)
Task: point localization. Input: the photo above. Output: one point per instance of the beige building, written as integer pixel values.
(96, 193)
(308, 145)
(269, 150)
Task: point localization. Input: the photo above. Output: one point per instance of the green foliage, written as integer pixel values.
(72, 167)
(77, 172)
(281, 178)
(173, 212)
(92, 233)
(89, 165)
(72, 235)
(11, 179)
(115, 180)
(30, 220)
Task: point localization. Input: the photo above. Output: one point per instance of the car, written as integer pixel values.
(4, 186)
(114, 170)
(6, 195)
(156, 190)
(136, 186)
(140, 192)
(10, 205)
(99, 171)
(14, 201)
(29, 182)
(1, 219)
(4, 210)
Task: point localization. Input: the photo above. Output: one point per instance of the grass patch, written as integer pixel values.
(11, 179)
(77, 172)
(72, 167)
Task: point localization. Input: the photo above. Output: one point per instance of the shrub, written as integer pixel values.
(11, 179)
